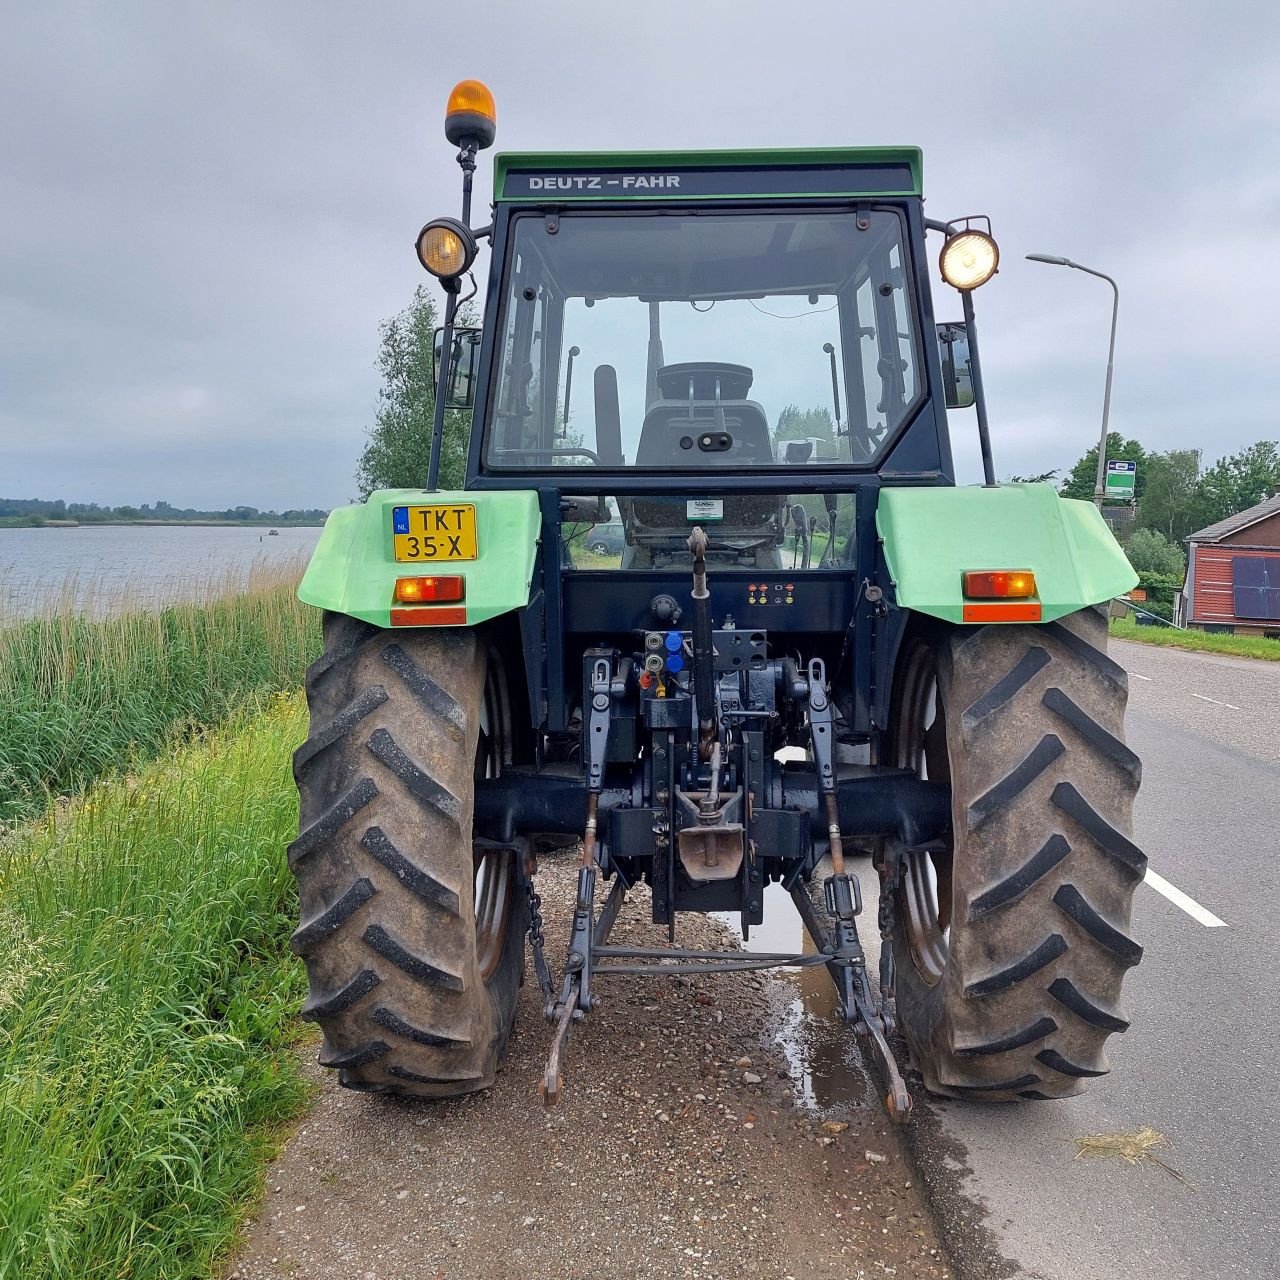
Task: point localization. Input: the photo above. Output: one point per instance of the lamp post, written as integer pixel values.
(1099, 488)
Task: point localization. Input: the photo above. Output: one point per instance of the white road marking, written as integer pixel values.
(1215, 702)
(1179, 899)
(1141, 677)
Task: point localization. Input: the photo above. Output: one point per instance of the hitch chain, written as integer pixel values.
(536, 941)
(889, 867)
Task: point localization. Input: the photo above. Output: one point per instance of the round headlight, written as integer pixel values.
(968, 260)
(446, 248)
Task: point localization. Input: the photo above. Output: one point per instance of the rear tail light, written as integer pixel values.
(999, 584)
(433, 590)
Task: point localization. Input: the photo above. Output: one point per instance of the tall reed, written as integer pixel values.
(81, 696)
(146, 995)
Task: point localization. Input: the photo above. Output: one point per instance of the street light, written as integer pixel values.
(1099, 489)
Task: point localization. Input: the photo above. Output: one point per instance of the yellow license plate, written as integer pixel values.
(437, 532)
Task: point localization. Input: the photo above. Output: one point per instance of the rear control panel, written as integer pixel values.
(771, 592)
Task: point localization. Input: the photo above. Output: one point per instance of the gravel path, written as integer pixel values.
(678, 1150)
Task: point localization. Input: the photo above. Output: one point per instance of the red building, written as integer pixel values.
(1233, 573)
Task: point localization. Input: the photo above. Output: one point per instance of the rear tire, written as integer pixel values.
(411, 995)
(1012, 943)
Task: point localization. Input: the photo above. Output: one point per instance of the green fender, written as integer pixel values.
(931, 536)
(353, 569)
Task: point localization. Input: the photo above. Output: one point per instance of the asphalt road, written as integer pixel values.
(1201, 1064)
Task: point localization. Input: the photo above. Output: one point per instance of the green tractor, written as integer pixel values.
(764, 431)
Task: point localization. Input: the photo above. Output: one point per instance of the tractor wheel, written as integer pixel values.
(414, 946)
(1011, 940)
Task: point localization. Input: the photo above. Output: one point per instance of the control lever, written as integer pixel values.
(835, 385)
(702, 647)
(568, 391)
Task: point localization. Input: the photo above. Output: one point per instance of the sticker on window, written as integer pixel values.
(705, 509)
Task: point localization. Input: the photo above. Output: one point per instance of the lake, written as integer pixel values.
(97, 568)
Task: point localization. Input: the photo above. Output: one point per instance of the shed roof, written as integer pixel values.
(1241, 520)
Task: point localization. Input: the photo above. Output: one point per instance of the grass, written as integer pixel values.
(146, 999)
(83, 696)
(1199, 641)
(1132, 1148)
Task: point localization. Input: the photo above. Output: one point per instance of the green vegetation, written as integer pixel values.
(37, 512)
(398, 450)
(1149, 551)
(797, 424)
(146, 1003)
(1081, 479)
(80, 697)
(1177, 497)
(1200, 641)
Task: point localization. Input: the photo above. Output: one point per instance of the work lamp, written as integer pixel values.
(446, 248)
(968, 260)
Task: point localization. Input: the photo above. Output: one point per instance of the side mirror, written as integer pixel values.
(957, 376)
(464, 361)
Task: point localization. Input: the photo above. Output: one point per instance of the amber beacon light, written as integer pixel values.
(471, 116)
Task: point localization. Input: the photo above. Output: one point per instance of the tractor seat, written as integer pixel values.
(701, 399)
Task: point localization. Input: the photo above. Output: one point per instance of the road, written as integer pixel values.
(1201, 1064)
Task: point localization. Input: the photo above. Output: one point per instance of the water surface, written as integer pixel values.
(101, 568)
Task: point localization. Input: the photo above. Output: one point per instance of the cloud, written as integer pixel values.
(209, 209)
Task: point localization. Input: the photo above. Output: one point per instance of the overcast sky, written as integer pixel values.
(205, 210)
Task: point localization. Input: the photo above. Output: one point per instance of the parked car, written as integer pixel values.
(605, 539)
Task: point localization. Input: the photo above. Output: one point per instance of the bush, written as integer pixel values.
(1161, 608)
(1149, 551)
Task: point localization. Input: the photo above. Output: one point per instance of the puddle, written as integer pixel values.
(826, 1066)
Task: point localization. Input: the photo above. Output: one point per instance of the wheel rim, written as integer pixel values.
(924, 893)
(495, 879)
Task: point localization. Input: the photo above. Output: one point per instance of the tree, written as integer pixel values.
(398, 450)
(1044, 477)
(1172, 503)
(1149, 551)
(1084, 475)
(1240, 481)
(795, 423)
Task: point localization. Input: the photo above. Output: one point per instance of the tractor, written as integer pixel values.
(809, 650)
